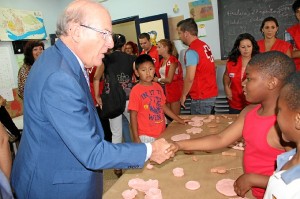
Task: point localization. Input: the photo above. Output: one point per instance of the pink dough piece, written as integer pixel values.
(207, 120)
(129, 194)
(178, 172)
(195, 159)
(153, 193)
(225, 187)
(192, 185)
(179, 137)
(229, 153)
(238, 148)
(194, 130)
(142, 185)
(197, 118)
(212, 117)
(219, 170)
(196, 123)
(212, 125)
(149, 166)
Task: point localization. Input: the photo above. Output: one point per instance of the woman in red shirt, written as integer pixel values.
(269, 30)
(245, 47)
(170, 74)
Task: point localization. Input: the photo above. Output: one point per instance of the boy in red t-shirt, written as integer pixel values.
(147, 104)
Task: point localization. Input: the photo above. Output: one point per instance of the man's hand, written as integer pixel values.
(160, 151)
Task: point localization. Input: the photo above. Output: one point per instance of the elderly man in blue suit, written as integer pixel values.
(63, 150)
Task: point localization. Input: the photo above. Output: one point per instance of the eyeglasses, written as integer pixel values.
(107, 35)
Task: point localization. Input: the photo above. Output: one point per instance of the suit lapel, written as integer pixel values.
(72, 63)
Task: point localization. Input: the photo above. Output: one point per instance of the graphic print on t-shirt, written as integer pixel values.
(152, 99)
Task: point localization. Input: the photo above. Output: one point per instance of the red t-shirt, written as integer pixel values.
(148, 101)
(295, 33)
(279, 45)
(259, 156)
(154, 54)
(234, 72)
(173, 89)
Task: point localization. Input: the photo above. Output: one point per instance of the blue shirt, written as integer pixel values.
(292, 173)
(192, 58)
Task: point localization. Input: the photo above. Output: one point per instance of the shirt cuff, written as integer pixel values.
(149, 151)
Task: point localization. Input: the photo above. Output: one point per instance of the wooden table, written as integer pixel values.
(174, 187)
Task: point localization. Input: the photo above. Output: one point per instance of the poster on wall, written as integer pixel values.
(21, 24)
(201, 10)
(155, 29)
(156, 26)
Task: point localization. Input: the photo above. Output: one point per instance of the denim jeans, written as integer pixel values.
(126, 129)
(202, 107)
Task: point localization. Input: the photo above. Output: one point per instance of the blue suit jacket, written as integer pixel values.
(62, 148)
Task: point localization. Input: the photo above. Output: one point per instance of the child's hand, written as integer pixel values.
(184, 121)
(173, 147)
(137, 140)
(242, 185)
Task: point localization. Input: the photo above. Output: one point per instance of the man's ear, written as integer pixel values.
(297, 121)
(75, 32)
(273, 82)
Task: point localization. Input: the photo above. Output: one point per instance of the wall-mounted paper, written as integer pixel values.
(21, 24)
(201, 30)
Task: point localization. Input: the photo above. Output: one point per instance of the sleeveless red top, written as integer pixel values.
(259, 156)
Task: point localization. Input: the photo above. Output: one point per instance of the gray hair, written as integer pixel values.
(72, 14)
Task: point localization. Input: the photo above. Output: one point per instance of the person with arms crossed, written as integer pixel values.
(200, 79)
(285, 182)
(62, 150)
(243, 49)
(147, 104)
(265, 76)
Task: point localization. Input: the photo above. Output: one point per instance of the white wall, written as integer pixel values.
(144, 8)
(51, 9)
